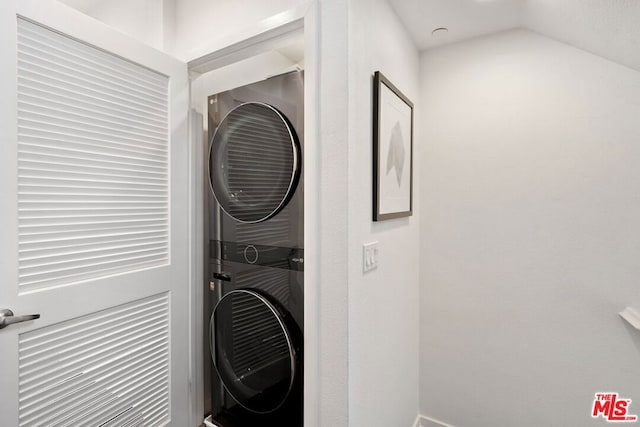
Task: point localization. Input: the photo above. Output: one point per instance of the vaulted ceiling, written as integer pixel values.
(609, 28)
(464, 19)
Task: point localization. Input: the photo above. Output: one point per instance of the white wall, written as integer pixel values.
(186, 29)
(383, 304)
(530, 232)
(607, 28)
(326, 225)
(144, 20)
(201, 22)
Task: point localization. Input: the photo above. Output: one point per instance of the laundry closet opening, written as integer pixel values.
(248, 123)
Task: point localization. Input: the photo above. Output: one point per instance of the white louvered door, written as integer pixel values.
(94, 232)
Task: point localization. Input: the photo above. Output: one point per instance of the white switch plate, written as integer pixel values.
(369, 256)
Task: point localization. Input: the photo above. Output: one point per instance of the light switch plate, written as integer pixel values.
(369, 256)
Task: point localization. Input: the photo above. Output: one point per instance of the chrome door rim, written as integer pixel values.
(295, 169)
(292, 353)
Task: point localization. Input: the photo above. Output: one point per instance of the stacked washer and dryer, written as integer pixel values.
(255, 309)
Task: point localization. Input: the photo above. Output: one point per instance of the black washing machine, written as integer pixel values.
(255, 279)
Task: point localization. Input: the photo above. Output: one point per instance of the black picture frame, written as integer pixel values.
(380, 212)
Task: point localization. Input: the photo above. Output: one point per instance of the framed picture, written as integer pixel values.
(392, 151)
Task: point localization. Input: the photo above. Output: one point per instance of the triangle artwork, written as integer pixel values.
(396, 153)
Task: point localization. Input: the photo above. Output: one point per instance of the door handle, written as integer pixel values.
(7, 318)
(222, 276)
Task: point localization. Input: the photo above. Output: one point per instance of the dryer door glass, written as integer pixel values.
(254, 162)
(253, 351)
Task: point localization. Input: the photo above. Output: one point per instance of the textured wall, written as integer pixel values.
(608, 28)
(201, 22)
(530, 236)
(144, 20)
(383, 303)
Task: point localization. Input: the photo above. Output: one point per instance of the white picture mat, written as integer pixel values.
(395, 194)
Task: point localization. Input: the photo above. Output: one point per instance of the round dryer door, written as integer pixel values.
(254, 162)
(252, 351)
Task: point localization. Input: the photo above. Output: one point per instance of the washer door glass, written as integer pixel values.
(254, 162)
(252, 351)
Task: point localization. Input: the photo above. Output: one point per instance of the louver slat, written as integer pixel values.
(93, 165)
(273, 281)
(107, 368)
(258, 339)
(253, 162)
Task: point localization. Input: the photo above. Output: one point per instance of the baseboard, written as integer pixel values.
(422, 421)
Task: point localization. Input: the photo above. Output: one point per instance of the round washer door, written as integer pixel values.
(252, 351)
(254, 162)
